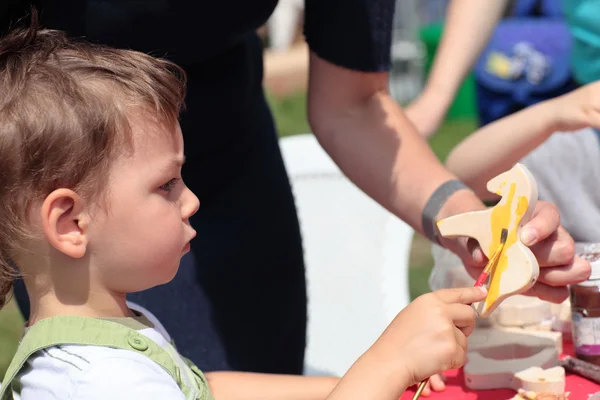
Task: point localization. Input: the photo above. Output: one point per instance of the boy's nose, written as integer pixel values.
(190, 204)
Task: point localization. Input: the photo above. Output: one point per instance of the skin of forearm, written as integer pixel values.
(496, 147)
(468, 27)
(255, 386)
(376, 146)
(371, 378)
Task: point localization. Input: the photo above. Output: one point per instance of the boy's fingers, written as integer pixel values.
(467, 330)
(462, 295)
(462, 315)
(437, 383)
(461, 339)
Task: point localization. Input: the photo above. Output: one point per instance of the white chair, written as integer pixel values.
(283, 23)
(356, 255)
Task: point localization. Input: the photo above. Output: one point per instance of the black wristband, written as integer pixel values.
(434, 205)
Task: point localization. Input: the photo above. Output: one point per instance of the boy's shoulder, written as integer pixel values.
(90, 371)
(82, 372)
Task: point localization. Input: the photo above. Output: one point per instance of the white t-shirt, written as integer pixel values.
(101, 373)
(566, 168)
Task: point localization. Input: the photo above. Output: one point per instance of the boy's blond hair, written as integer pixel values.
(63, 106)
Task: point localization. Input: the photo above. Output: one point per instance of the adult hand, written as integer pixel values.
(427, 112)
(577, 109)
(552, 246)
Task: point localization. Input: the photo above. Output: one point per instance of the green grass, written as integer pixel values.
(290, 114)
(290, 117)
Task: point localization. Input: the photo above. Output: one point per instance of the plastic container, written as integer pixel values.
(585, 307)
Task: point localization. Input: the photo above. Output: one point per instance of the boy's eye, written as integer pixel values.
(167, 187)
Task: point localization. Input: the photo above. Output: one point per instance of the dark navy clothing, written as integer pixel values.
(242, 304)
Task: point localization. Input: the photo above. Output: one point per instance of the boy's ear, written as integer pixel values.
(64, 222)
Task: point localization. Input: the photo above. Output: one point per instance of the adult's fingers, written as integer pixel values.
(545, 220)
(577, 271)
(555, 250)
(553, 294)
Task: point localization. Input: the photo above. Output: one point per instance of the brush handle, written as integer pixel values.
(420, 389)
(482, 278)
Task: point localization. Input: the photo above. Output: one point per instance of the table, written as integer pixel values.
(579, 387)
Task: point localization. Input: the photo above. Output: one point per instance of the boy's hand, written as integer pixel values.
(437, 383)
(577, 109)
(430, 335)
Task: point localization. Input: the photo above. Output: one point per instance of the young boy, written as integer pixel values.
(93, 207)
(559, 143)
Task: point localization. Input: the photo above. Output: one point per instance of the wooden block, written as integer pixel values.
(491, 338)
(536, 379)
(522, 310)
(517, 269)
(529, 395)
(556, 337)
(495, 356)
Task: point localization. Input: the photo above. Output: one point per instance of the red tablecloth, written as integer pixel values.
(579, 387)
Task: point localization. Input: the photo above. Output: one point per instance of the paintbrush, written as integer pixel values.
(483, 277)
(492, 262)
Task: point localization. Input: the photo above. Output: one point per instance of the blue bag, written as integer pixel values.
(525, 62)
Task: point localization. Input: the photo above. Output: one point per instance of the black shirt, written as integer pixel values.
(215, 41)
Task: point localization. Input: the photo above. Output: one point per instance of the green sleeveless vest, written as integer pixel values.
(69, 330)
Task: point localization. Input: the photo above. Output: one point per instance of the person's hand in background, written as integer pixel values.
(428, 111)
(577, 109)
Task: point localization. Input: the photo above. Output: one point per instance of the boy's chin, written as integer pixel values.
(166, 275)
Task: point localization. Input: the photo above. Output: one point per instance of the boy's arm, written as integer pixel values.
(496, 147)
(254, 386)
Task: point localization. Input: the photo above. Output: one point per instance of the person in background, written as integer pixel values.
(468, 26)
(558, 141)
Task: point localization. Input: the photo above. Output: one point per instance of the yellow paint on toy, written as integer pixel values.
(501, 217)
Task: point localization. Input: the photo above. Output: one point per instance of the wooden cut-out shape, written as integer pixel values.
(529, 395)
(536, 379)
(517, 268)
(556, 337)
(522, 310)
(494, 357)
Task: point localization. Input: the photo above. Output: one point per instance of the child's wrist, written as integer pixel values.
(552, 116)
(390, 370)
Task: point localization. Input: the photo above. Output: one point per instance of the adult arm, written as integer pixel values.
(468, 27)
(496, 147)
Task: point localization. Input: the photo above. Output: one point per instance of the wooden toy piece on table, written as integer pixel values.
(525, 395)
(517, 269)
(525, 312)
(502, 359)
(536, 379)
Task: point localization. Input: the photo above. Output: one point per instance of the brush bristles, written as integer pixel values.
(503, 235)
